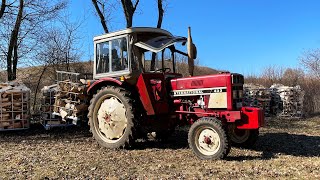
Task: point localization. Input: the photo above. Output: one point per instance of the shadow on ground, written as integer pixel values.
(270, 144)
(273, 144)
(37, 134)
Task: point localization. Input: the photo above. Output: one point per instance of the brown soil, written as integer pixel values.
(286, 149)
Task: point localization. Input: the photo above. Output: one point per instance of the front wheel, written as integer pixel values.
(208, 140)
(244, 138)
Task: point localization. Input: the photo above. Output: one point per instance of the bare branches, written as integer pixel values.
(2, 8)
(135, 5)
(20, 30)
(101, 15)
(311, 61)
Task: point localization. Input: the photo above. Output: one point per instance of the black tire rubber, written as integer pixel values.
(217, 126)
(164, 135)
(127, 138)
(247, 142)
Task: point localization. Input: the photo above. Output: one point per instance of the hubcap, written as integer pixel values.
(112, 119)
(207, 141)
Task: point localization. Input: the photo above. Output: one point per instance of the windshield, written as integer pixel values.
(159, 53)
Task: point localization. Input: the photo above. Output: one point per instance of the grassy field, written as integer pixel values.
(286, 149)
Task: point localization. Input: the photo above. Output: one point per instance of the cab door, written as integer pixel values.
(153, 93)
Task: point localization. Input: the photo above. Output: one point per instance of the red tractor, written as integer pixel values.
(130, 99)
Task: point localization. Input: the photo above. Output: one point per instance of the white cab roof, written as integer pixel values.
(132, 30)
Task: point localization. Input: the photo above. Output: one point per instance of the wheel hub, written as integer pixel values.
(208, 141)
(112, 118)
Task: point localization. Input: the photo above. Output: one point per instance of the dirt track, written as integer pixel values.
(286, 149)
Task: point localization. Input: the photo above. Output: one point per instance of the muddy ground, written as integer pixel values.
(286, 149)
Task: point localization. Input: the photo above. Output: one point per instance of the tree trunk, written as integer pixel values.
(12, 65)
(129, 9)
(161, 12)
(101, 16)
(2, 8)
(38, 84)
(159, 24)
(15, 62)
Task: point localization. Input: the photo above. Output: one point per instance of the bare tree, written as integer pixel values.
(12, 58)
(311, 61)
(101, 15)
(59, 47)
(129, 8)
(2, 8)
(25, 23)
(159, 24)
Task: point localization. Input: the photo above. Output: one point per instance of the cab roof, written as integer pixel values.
(133, 30)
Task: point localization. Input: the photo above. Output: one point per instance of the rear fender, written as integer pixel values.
(101, 83)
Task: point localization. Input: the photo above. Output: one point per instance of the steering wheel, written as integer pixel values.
(163, 70)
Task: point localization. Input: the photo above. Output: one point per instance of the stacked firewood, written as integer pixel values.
(291, 100)
(257, 96)
(14, 106)
(277, 100)
(70, 100)
(47, 105)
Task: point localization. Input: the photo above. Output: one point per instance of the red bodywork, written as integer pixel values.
(244, 117)
(155, 92)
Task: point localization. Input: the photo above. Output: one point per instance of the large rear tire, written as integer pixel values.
(111, 118)
(244, 138)
(208, 139)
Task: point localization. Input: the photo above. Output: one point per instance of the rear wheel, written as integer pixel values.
(245, 138)
(208, 140)
(111, 118)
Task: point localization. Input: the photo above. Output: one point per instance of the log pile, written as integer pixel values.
(291, 100)
(258, 96)
(47, 106)
(70, 100)
(14, 106)
(277, 100)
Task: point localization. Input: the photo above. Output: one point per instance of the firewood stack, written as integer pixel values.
(291, 104)
(47, 106)
(14, 106)
(257, 96)
(277, 100)
(71, 100)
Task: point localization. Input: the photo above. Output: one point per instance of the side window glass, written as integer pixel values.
(102, 57)
(119, 54)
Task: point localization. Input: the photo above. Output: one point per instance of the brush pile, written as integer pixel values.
(14, 106)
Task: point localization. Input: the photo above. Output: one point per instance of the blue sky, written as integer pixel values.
(237, 35)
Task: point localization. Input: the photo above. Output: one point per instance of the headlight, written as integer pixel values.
(234, 94)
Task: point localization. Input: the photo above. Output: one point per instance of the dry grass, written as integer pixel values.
(287, 149)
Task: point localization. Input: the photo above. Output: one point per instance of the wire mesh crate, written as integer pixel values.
(14, 109)
(71, 100)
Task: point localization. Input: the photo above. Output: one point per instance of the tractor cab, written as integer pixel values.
(143, 58)
(133, 51)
